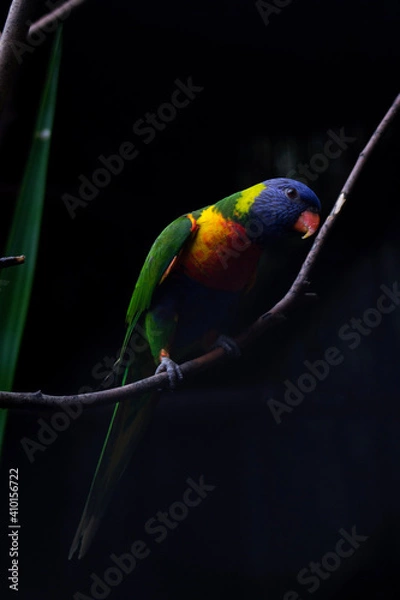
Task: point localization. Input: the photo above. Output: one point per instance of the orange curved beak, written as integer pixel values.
(307, 223)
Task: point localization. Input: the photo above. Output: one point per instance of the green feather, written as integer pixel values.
(168, 245)
(130, 418)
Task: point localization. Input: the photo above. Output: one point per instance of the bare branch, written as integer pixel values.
(299, 284)
(373, 141)
(50, 21)
(37, 400)
(11, 261)
(274, 316)
(18, 31)
(14, 33)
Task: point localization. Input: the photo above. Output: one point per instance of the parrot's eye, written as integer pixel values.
(292, 193)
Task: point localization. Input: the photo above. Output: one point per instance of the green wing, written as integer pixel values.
(156, 266)
(130, 418)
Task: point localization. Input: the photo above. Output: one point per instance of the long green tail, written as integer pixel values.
(127, 426)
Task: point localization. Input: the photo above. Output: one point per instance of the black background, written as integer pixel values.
(271, 92)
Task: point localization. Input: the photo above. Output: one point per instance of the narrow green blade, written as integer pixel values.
(16, 282)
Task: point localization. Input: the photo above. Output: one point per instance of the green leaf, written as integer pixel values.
(16, 282)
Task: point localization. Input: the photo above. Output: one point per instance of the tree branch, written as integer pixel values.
(60, 13)
(11, 261)
(275, 315)
(18, 30)
(15, 31)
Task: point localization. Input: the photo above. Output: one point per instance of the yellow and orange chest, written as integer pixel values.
(220, 254)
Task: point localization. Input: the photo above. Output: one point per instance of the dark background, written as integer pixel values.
(282, 492)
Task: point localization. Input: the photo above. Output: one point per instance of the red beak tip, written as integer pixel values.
(307, 223)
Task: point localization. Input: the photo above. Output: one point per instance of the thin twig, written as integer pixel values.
(11, 261)
(50, 21)
(287, 302)
(15, 31)
(275, 315)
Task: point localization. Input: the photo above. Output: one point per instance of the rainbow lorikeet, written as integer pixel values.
(187, 293)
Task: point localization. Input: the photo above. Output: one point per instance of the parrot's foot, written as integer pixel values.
(229, 345)
(168, 366)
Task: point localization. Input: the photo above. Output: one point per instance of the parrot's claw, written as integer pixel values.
(174, 372)
(229, 345)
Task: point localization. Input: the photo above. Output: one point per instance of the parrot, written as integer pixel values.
(185, 298)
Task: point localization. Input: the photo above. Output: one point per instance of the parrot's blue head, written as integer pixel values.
(285, 205)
